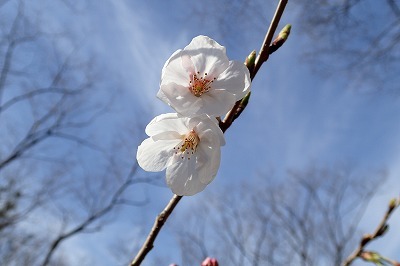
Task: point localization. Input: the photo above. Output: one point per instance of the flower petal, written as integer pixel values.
(183, 179)
(187, 64)
(155, 156)
(207, 55)
(208, 130)
(173, 71)
(167, 122)
(181, 99)
(216, 102)
(202, 41)
(235, 79)
(208, 170)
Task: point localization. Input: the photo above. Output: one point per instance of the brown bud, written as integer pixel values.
(393, 203)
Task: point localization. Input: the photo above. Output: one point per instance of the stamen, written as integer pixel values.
(188, 146)
(199, 86)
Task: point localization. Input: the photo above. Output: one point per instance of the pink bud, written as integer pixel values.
(209, 262)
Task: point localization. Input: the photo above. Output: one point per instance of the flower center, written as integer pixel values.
(199, 86)
(189, 145)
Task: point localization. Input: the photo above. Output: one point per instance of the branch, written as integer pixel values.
(91, 218)
(158, 224)
(264, 53)
(34, 93)
(13, 42)
(266, 49)
(394, 7)
(224, 125)
(379, 231)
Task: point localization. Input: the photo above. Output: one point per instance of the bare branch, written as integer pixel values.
(35, 93)
(379, 231)
(163, 216)
(158, 224)
(94, 217)
(261, 58)
(394, 6)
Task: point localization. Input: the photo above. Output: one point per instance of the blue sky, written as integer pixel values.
(295, 118)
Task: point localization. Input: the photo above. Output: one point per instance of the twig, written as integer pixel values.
(264, 54)
(92, 218)
(224, 125)
(379, 231)
(158, 224)
(261, 58)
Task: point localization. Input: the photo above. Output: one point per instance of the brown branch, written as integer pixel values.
(264, 54)
(379, 231)
(224, 125)
(262, 57)
(158, 224)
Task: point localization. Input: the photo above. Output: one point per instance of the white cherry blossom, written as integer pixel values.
(200, 79)
(188, 147)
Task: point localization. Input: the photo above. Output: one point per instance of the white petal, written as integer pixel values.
(207, 55)
(173, 71)
(215, 162)
(155, 156)
(160, 95)
(208, 130)
(181, 99)
(183, 179)
(167, 122)
(209, 169)
(168, 135)
(216, 102)
(210, 138)
(174, 56)
(187, 64)
(202, 41)
(235, 79)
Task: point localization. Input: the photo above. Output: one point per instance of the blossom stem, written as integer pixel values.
(264, 50)
(158, 224)
(261, 58)
(224, 125)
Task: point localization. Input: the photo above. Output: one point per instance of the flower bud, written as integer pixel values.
(371, 256)
(242, 105)
(280, 40)
(250, 60)
(209, 262)
(245, 99)
(393, 204)
(284, 33)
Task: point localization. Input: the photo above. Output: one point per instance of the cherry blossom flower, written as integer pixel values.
(200, 79)
(188, 147)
